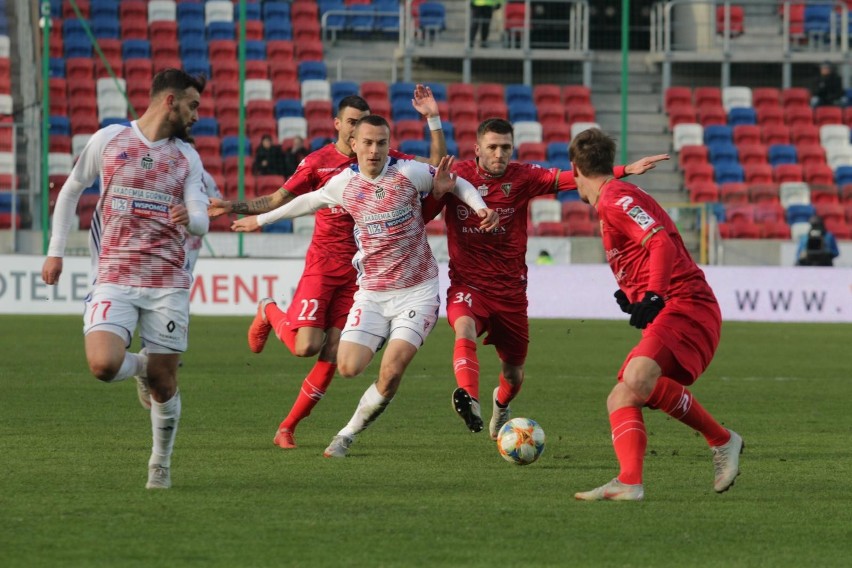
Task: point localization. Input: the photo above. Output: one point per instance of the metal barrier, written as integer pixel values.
(693, 37)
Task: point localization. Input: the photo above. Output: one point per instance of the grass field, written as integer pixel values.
(417, 490)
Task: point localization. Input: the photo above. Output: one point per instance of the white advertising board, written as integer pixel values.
(233, 287)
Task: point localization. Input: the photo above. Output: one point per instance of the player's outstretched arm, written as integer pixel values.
(262, 204)
(424, 102)
(245, 225)
(642, 165)
(490, 219)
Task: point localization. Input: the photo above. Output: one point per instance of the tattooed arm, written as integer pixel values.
(255, 206)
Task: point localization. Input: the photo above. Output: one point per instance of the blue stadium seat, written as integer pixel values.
(564, 196)
(189, 11)
(726, 173)
(256, 50)
(136, 49)
(402, 91)
(252, 11)
(361, 18)
(56, 9)
(340, 89)
(782, 154)
(106, 28)
(439, 91)
(220, 30)
(6, 200)
(277, 29)
(799, 213)
(521, 111)
(557, 151)
(276, 10)
(518, 94)
(231, 147)
(387, 23)
(843, 175)
(452, 148)
(416, 147)
(57, 67)
(309, 70)
(718, 133)
(60, 126)
(562, 164)
(282, 226)
(193, 49)
(333, 22)
(206, 126)
(78, 47)
(192, 34)
(404, 111)
(818, 21)
(433, 16)
(72, 29)
(318, 142)
(718, 211)
(103, 9)
(742, 115)
(114, 120)
(197, 66)
(288, 107)
(722, 153)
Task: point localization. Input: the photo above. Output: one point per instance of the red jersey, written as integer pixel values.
(629, 217)
(334, 226)
(495, 262)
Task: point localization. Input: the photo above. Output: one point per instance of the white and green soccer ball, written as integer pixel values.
(520, 441)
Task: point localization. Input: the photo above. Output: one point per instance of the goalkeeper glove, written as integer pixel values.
(623, 302)
(645, 311)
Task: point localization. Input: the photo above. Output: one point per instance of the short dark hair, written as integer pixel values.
(352, 101)
(496, 125)
(373, 120)
(171, 79)
(593, 152)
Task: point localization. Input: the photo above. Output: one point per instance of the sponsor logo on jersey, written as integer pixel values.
(462, 212)
(380, 192)
(483, 190)
(119, 204)
(149, 209)
(640, 217)
(506, 188)
(124, 156)
(147, 163)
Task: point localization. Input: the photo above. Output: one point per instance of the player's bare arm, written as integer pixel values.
(51, 269)
(245, 225)
(424, 102)
(444, 180)
(642, 165)
(255, 206)
(490, 219)
(179, 215)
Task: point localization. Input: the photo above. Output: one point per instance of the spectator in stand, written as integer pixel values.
(828, 90)
(544, 258)
(818, 247)
(294, 156)
(480, 19)
(268, 159)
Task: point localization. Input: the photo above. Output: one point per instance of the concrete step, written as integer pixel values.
(606, 86)
(636, 102)
(644, 123)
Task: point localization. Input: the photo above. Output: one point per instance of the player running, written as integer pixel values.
(151, 197)
(312, 323)
(397, 300)
(667, 297)
(488, 270)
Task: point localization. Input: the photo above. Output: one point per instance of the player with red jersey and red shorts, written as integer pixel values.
(488, 270)
(667, 297)
(312, 323)
(152, 199)
(397, 299)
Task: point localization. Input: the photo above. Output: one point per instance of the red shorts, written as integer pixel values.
(681, 340)
(324, 294)
(505, 321)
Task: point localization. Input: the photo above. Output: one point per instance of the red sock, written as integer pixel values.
(466, 366)
(313, 389)
(507, 391)
(675, 400)
(281, 326)
(629, 440)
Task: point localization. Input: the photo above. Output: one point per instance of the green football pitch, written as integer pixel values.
(418, 489)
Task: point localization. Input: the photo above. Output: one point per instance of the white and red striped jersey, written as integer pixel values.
(193, 243)
(393, 252)
(133, 240)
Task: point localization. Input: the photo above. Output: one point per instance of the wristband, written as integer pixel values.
(434, 123)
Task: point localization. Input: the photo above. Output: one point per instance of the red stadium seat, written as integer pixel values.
(285, 89)
(321, 110)
(532, 152)
(737, 213)
(797, 116)
(374, 89)
(462, 112)
(138, 70)
(830, 211)
(134, 27)
(407, 130)
(692, 155)
(765, 96)
(711, 115)
(551, 112)
(828, 115)
(698, 173)
(286, 70)
(677, 96)
(586, 228)
(257, 69)
(306, 31)
(68, 12)
(163, 32)
(114, 61)
(795, 97)
(733, 192)
(208, 147)
(842, 231)
(746, 134)
(325, 129)
(788, 172)
(79, 68)
(758, 173)
(706, 192)
(735, 16)
(555, 132)
(460, 93)
(546, 95)
(279, 49)
(805, 134)
(775, 230)
(488, 93)
(309, 51)
(551, 229)
(436, 227)
(260, 110)
(707, 97)
(823, 192)
(254, 30)
(576, 94)
(769, 211)
(776, 135)
(226, 71)
(752, 154)
(764, 193)
(579, 113)
(770, 115)
(573, 211)
(222, 50)
(681, 114)
(493, 110)
(266, 185)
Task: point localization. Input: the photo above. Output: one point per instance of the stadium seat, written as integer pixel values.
(737, 213)
(579, 113)
(520, 112)
(315, 90)
(843, 176)
(834, 134)
(557, 152)
(799, 212)
(703, 192)
(752, 154)
(764, 193)
(489, 93)
(404, 111)
(527, 131)
(758, 173)
(547, 94)
(766, 97)
(718, 134)
(723, 153)
(773, 134)
(460, 93)
(837, 156)
(828, 115)
(794, 193)
(693, 154)
(675, 96)
(492, 110)
(810, 154)
(532, 152)
(162, 10)
(576, 94)
(733, 192)
(545, 210)
(770, 115)
(687, 135)
(782, 154)
(681, 114)
(730, 19)
(291, 126)
(698, 173)
(797, 116)
(795, 97)
(414, 147)
(805, 134)
(823, 192)
(555, 132)
(775, 230)
(736, 97)
(579, 127)
(725, 173)
(788, 173)
(707, 97)
(279, 49)
(712, 116)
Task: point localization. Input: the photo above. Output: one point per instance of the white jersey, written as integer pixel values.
(193, 243)
(393, 252)
(133, 239)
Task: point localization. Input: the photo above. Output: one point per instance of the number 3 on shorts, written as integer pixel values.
(99, 309)
(355, 317)
(462, 298)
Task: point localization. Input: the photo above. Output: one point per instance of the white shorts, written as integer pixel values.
(409, 314)
(162, 315)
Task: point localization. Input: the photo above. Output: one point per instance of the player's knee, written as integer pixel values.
(306, 350)
(349, 369)
(103, 370)
(639, 379)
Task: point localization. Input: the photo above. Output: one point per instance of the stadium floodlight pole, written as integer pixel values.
(625, 73)
(45, 124)
(241, 141)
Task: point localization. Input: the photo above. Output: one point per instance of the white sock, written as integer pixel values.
(132, 365)
(164, 423)
(371, 405)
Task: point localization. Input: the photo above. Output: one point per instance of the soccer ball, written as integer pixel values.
(520, 441)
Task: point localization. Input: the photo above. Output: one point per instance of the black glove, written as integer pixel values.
(645, 311)
(623, 302)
